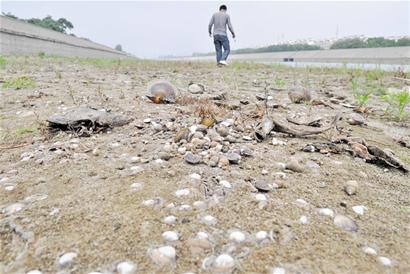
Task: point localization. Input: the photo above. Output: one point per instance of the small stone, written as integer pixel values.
(195, 176)
(237, 236)
(170, 220)
(196, 88)
(246, 152)
(182, 150)
(277, 142)
(302, 203)
(326, 212)
(356, 119)
(126, 268)
(67, 259)
(147, 121)
(163, 256)
(384, 261)
(261, 235)
(9, 188)
(303, 220)
(351, 187)
(225, 184)
(182, 192)
(359, 209)
(136, 186)
(222, 130)
(223, 162)
(233, 158)
(345, 223)
(164, 156)
(370, 251)
(170, 236)
(201, 205)
(262, 186)
(192, 159)
(209, 220)
(185, 207)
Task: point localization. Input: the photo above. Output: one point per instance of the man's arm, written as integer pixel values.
(210, 25)
(230, 27)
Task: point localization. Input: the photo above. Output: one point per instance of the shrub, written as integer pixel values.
(19, 83)
(398, 102)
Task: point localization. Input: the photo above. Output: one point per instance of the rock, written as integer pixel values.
(222, 130)
(223, 162)
(326, 212)
(384, 261)
(196, 88)
(345, 223)
(356, 119)
(126, 268)
(164, 156)
(277, 270)
(163, 256)
(200, 205)
(224, 263)
(192, 159)
(260, 197)
(277, 142)
(262, 186)
(351, 187)
(67, 259)
(295, 166)
(13, 208)
(246, 152)
(170, 236)
(233, 158)
(33, 272)
(298, 97)
(237, 236)
(182, 134)
(199, 245)
(213, 161)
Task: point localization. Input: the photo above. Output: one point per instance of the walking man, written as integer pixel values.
(219, 21)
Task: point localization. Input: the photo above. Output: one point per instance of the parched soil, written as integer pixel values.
(76, 194)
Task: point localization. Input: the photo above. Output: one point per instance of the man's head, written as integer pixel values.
(223, 8)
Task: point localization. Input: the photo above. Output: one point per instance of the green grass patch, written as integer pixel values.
(2, 62)
(398, 102)
(25, 131)
(19, 83)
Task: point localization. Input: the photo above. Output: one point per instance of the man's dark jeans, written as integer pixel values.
(221, 41)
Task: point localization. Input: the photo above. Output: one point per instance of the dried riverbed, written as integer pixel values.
(132, 200)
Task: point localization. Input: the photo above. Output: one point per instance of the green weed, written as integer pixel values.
(362, 97)
(2, 62)
(24, 131)
(279, 83)
(19, 83)
(398, 102)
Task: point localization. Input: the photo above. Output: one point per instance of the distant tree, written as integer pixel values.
(403, 42)
(118, 47)
(350, 43)
(374, 42)
(9, 15)
(61, 25)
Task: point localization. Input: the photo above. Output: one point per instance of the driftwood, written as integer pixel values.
(311, 123)
(280, 125)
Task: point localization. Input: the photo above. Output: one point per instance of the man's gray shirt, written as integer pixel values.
(220, 20)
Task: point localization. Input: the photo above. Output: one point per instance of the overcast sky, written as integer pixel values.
(152, 29)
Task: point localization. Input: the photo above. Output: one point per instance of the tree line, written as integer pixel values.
(375, 42)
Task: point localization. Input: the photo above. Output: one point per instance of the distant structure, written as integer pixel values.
(21, 38)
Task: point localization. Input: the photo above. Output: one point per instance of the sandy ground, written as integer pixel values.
(76, 194)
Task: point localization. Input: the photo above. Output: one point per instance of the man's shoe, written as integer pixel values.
(224, 63)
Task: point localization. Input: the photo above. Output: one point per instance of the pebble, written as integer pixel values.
(261, 235)
(182, 192)
(147, 121)
(351, 187)
(233, 158)
(136, 186)
(326, 212)
(195, 176)
(345, 223)
(302, 203)
(277, 142)
(126, 268)
(262, 186)
(359, 209)
(384, 261)
(303, 220)
(209, 220)
(192, 159)
(182, 150)
(170, 220)
(151, 202)
(201, 205)
(225, 184)
(202, 235)
(185, 207)
(370, 251)
(295, 166)
(67, 259)
(163, 256)
(9, 188)
(196, 88)
(237, 236)
(170, 236)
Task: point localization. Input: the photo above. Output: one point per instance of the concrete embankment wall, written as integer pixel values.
(393, 55)
(20, 38)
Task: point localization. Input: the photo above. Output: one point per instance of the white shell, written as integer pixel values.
(209, 220)
(170, 236)
(277, 270)
(369, 250)
(67, 259)
(237, 236)
(359, 209)
(303, 220)
(164, 255)
(195, 176)
(261, 235)
(170, 220)
(225, 184)
(182, 192)
(384, 261)
(126, 268)
(34, 272)
(260, 197)
(202, 235)
(326, 212)
(224, 261)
